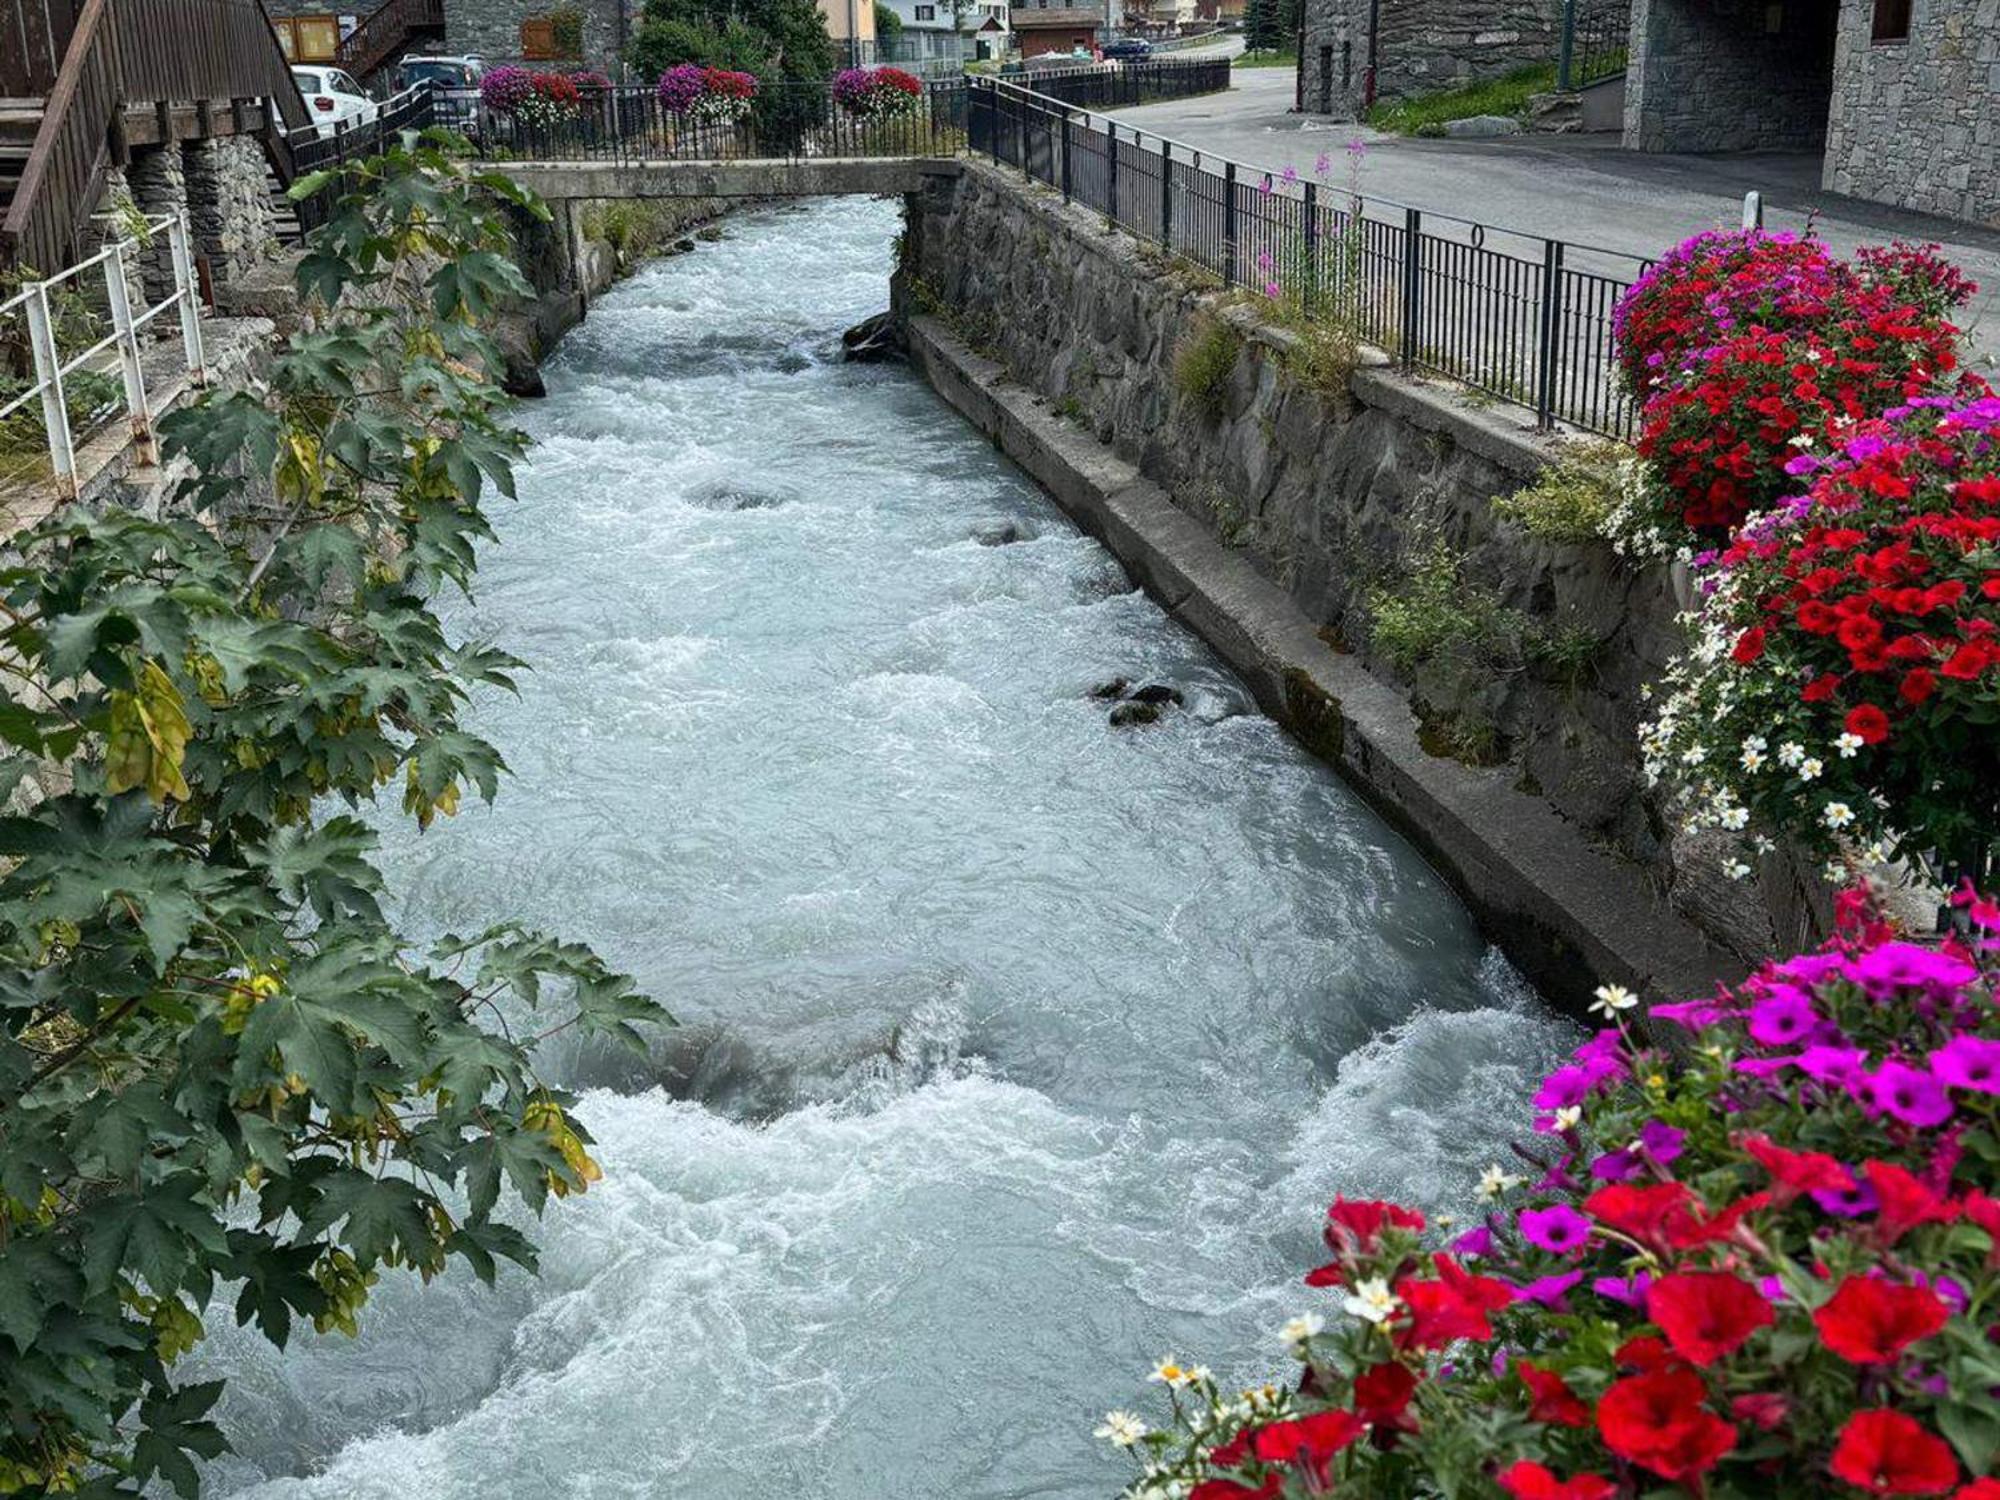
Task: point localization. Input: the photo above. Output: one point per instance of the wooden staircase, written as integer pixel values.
(387, 32)
(104, 75)
(20, 119)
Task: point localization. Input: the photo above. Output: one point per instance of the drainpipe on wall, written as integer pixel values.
(1368, 79)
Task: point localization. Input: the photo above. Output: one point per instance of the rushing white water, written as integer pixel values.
(1019, 1050)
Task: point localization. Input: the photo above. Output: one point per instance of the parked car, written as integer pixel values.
(1128, 48)
(454, 85)
(445, 72)
(334, 97)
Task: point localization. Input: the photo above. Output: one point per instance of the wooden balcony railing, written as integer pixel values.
(123, 53)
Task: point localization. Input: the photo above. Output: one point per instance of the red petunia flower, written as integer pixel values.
(1918, 685)
(1551, 1400)
(1868, 722)
(1795, 1173)
(1382, 1396)
(1356, 1224)
(1658, 1422)
(1820, 688)
(1749, 646)
(1450, 1308)
(1309, 1442)
(1706, 1314)
(1869, 1321)
(1906, 1202)
(1527, 1480)
(1644, 1213)
(1889, 1453)
(1228, 1489)
(1766, 1410)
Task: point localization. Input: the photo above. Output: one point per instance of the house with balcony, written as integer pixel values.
(559, 35)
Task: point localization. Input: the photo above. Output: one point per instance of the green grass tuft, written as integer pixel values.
(1506, 95)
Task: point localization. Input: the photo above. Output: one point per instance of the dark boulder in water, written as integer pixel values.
(1159, 694)
(878, 338)
(1129, 715)
(1115, 688)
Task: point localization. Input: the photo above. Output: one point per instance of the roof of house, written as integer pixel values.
(1033, 17)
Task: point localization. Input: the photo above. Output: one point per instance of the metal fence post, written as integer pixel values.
(1065, 153)
(118, 295)
(1309, 292)
(1166, 193)
(1229, 224)
(1566, 59)
(1111, 167)
(186, 294)
(1413, 230)
(48, 375)
(1551, 325)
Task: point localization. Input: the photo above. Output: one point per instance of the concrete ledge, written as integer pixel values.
(822, 177)
(1568, 914)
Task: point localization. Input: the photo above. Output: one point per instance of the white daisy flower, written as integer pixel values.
(1121, 1428)
(1613, 999)
(1495, 1180)
(1849, 745)
(1837, 815)
(1372, 1300)
(1810, 768)
(1301, 1328)
(1170, 1373)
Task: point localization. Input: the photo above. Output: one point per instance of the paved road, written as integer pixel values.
(1579, 188)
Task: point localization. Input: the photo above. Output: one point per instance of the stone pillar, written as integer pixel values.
(229, 205)
(159, 186)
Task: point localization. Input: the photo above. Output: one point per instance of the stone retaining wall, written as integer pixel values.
(1331, 499)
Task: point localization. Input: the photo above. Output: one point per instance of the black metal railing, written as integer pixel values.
(1519, 316)
(331, 147)
(783, 122)
(1596, 38)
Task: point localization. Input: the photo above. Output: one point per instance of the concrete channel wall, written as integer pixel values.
(1273, 518)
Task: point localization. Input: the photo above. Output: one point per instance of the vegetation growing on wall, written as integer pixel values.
(1203, 365)
(1569, 501)
(219, 1062)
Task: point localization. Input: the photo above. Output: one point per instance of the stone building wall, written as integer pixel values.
(491, 31)
(1333, 499)
(1730, 75)
(1425, 45)
(1917, 123)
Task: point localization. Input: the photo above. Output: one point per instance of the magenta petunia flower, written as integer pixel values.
(1968, 1062)
(1548, 1290)
(1902, 1092)
(1630, 1290)
(1848, 1202)
(1845, 1066)
(1474, 1243)
(1783, 1018)
(1560, 1229)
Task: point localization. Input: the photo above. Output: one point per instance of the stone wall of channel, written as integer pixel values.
(1342, 500)
(1916, 123)
(1729, 75)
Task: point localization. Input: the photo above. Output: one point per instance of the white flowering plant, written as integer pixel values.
(1843, 685)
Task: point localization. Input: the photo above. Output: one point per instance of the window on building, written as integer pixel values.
(926, 12)
(307, 39)
(538, 39)
(1892, 20)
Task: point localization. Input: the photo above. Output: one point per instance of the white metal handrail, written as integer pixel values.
(52, 368)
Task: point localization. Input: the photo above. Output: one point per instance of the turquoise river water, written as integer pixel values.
(1018, 1051)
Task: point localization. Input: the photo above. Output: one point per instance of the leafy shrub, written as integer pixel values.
(1764, 1264)
(219, 1062)
(1569, 501)
(1203, 366)
(1842, 683)
(1432, 611)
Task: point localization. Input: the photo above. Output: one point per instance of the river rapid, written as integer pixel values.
(1018, 1051)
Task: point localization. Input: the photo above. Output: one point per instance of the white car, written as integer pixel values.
(333, 97)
